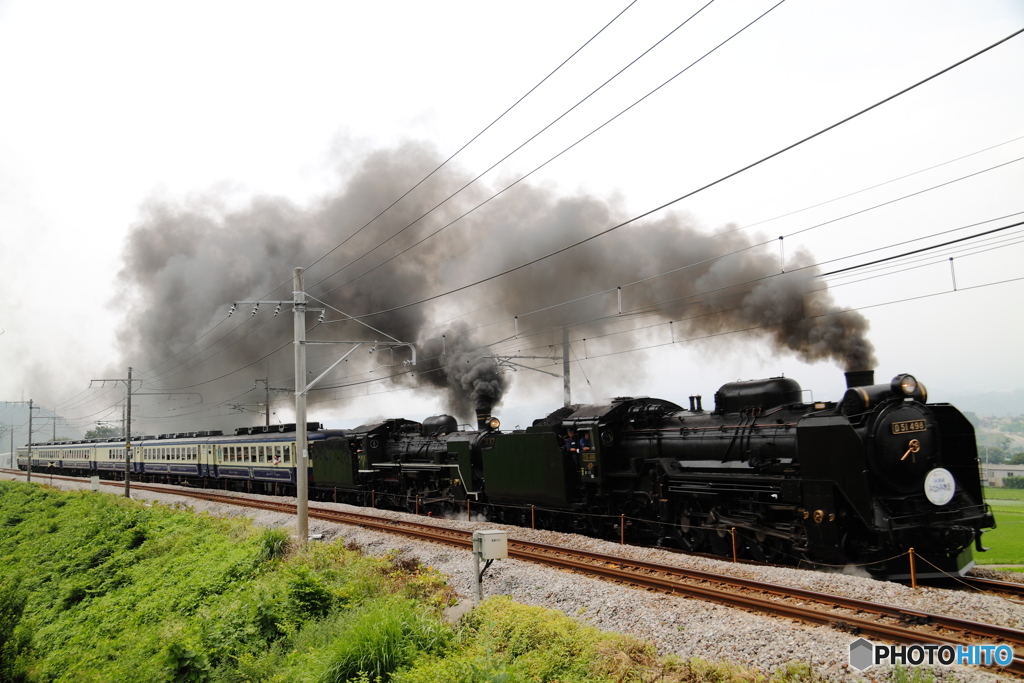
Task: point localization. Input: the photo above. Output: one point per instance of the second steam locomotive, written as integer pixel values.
(854, 482)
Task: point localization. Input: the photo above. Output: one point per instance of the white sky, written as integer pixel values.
(104, 105)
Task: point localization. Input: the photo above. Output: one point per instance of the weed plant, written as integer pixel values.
(96, 588)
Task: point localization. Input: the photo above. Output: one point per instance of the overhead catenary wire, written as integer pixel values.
(475, 137)
(724, 288)
(166, 374)
(435, 170)
(697, 190)
(537, 168)
(1018, 32)
(516, 149)
(492, 346)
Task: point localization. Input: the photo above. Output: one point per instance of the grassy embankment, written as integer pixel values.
(96, 588)
(1007, 539)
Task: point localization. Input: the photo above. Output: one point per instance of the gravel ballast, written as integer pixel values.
(680, 626)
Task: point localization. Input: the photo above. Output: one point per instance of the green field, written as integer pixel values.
(1007, 539)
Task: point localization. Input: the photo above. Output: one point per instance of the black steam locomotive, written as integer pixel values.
(858, 482)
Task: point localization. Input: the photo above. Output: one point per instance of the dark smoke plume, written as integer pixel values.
(184, 263)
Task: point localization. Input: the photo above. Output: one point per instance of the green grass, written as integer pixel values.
(1007, 539)
(1003, 494)
(96, 588)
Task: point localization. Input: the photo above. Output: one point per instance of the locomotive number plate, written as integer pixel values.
(910, 426)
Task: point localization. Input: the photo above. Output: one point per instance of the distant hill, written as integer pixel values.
(1010, 403)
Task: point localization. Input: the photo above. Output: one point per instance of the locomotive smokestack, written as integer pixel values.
(860, 378)
(482, 417)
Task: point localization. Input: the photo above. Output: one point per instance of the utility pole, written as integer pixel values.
(266, 405)
(299, 308)
(28, 470)
(14, 457)
(566, 393)
(128, 440)
(127, 431)
(301, 446)
(506, 361)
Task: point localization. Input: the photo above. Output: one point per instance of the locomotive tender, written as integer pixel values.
(856, 482)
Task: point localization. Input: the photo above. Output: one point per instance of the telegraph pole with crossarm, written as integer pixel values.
(127, 431)
(299, 308)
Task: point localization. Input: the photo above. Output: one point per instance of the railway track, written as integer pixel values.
(872, 620)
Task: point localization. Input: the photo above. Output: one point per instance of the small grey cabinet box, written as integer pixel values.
(492, 545)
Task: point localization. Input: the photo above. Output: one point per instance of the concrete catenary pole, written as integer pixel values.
(301, 447)
(128, 441)
(28, 470)
(566, 394)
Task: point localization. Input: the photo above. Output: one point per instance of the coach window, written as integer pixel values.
(287, 452)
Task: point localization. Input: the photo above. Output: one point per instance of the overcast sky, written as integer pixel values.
(108, 109)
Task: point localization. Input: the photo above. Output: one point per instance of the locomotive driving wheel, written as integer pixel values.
(721, 542)
(764, 548)
(688, 536)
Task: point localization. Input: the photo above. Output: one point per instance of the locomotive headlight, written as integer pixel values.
(493, 423)
(904, 384)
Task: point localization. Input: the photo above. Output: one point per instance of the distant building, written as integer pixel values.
(993, 475)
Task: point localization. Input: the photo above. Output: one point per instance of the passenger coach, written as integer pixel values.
(263, 457)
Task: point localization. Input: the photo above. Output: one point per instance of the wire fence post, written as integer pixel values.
(335, 494)
(622, 529)
(913, 570)
(533, 516)
(417, 505)
(469, 515)
(373, 498)
(732, 532)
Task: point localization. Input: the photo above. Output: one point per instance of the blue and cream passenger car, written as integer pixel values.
(253, 458)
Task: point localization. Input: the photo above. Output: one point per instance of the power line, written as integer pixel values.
(696, 191)
(509, 154)
(473, 139)
(527, 175)
(425, 178)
